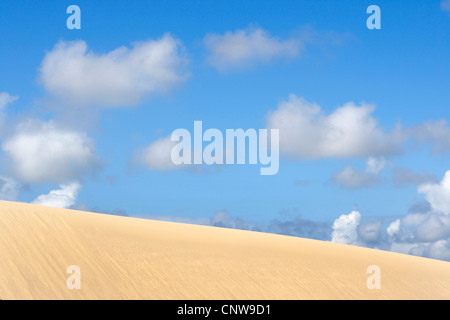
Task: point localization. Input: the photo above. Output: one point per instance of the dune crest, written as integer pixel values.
(129, 258)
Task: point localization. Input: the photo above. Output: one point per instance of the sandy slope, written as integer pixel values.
(127, 258)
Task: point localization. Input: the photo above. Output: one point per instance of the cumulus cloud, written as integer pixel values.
(221, 219)
(291, 226)
(404, 176)
(375, 165)
(5, 99)
(370, 232)
(436, 250)
(83, 206)
(246, 47)
(438, 194)
(393, 229)
(203, 221)
(436, 133)
(421, 234)
(299, 227)
(435, 227)
(65, 197)
(157, 156)
(345, 228)
(351, 178)
(445, 5)
(426, 235)
(420, 207)
(9, 189)
(306, 132)
(414, 219)
(120, 77)
(43, 152)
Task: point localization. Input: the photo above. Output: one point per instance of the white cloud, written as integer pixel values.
(120, 77)
(356, 179)
(445, 5)
(435, 227)
(375, 165)
(5, 99)
(350, 178)
(345, 228)
(293, 226)
(426, 235)
(43, 152)
(414, 219)
(420, 207)
(65, 197)
(299, 227)
(403, 229)
(405, 248)
(370, 232)
(404, 176)
(204, 221)
(436, 133)
(221, 219)
(438, 194)
(393, 229)
(438, 250)
(9, 189)
(247, 47)
(157, 156)
(349, 131)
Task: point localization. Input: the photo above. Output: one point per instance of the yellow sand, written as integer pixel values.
(128, 258)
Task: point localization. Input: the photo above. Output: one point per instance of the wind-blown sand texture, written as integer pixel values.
(129, 258)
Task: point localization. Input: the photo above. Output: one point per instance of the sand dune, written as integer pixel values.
(128, 258)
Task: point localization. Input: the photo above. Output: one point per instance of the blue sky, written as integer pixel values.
(297, 53)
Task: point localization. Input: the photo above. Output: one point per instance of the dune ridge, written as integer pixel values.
(130, 258)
